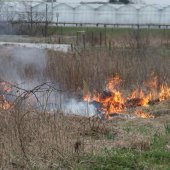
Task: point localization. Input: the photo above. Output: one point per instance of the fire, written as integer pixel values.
(112, 104)
(164, 92)
(113, 83)
(143, 99)
(5, 88)
(143, 115)
(113, 101)
(4, 105)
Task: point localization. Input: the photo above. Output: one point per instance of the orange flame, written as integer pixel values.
(4, 88)
(113, 83)
(164, 92)
(139, 94)
(115, 102)
(143, 115)
(4, 105)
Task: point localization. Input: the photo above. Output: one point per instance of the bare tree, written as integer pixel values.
(36, 19)
(7, 16)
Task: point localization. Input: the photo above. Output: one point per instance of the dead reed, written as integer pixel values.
(95, 66)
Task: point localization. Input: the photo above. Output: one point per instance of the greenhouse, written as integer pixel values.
(165, 15)
(149, 15)
(105, 14)
(94, 14)
(60, 14)
(84, 14)
(127, 14)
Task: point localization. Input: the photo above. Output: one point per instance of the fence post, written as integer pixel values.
(105, 36)
(84, 41)
(46, 20)
(77, 38)
(59, 40)
(92, 36)
(110, 45)
(100, 39)
(71, 47)
(31, 21)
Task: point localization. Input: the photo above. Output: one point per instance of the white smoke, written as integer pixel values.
(13, 63)
(80, 108)
(18, 63)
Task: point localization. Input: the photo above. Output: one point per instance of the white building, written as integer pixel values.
(84, 13)
(105, 14)
(60, 14)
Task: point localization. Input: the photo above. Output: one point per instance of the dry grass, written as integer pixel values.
(45, 141)
(95, 66)
(41, 140)
(135, 58)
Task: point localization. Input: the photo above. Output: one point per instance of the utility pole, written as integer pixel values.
(52, 9)
(31, 18)
(46, 20)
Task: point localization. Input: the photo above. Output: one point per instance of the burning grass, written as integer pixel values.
(40, 139)
(113, 100)
(32, 139)
(144, 78)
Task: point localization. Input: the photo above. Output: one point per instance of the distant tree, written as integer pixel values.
(113, 1)
(124, 1)
(120, 1)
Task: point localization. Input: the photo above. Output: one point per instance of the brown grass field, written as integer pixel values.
(34, 140)
(41, 140)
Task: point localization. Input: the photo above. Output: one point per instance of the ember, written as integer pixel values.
(113, 101)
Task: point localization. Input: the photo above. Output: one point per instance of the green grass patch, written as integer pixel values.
(131, 159)
(167, 128)
(109, 31)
